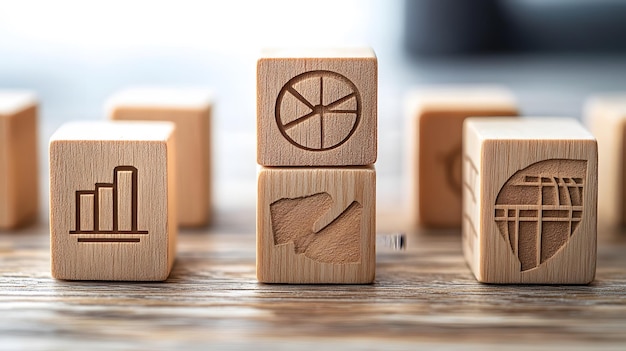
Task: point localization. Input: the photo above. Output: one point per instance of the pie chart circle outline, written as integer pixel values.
(311, 75)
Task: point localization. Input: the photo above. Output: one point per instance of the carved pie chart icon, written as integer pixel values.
(318, 110)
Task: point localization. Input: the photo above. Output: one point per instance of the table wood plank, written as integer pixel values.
(424, 295)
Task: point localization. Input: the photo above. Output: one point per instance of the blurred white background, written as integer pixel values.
(75, 54)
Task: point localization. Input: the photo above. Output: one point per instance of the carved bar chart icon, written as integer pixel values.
(318, 110)
(539, 208)
(110, 208)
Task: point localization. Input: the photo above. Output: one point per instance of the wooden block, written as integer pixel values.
(113, 201)
(317, 107)
(316, 225)
(190, 110)
(436, 123)
(606, 117)
(530, 191)
(18, 158)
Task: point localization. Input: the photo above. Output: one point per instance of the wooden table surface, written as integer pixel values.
(423, 296)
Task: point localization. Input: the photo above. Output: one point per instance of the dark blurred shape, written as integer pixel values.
(448, 27)
(452, 27)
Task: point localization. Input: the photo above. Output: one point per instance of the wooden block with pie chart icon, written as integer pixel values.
(18, 158)
(436, 117)
(113, 201)
(606, 116)
(190, 109)
(530, 188)
(317, 107)
(316, 225)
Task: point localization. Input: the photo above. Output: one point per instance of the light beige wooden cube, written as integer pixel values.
(530, 191)
(317, 107)
(18, 158)
(190, 110)
(436, 116)
(316, 225)
(606, 117)
(113, 201)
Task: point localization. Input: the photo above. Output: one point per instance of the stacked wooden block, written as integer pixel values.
(316, 132)
(18, 158)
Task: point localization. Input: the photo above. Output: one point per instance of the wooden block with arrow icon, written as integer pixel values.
(316, 225)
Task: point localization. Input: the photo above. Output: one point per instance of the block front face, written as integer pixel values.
(317, 111)
(191, 112)
(537, 204)
(18, 159)
(437, 122)
(113, 214)
(316, 225)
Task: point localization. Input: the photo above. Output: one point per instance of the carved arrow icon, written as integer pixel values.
(320, 228)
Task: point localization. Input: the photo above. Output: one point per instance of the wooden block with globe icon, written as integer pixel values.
(113, 201)
(436, 116)
(317, 107)
(530, 189)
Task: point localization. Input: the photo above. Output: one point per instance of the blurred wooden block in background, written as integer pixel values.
(316, 225)
(18, 158)
(606, 117)
(112, 201)
(436, 117)
(530, 191)
(190, 110)
(317, 107)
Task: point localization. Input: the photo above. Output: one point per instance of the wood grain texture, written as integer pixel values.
(135, 161)
(190, 110)
(435, 120)
(423, 298)
(316, 225)
(317, 107)
(530, 200)
(19, 198)
(606, 117)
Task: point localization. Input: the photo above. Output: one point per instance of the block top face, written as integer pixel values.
(452, 98)
(317, 110)
(318, 53)
(181, 98)
(13, 101)
(528, 129)
(114, 131)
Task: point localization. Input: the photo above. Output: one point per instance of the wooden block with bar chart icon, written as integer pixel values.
(530, 189)
(113, 201)
(606, 116)
(190, 110)
(18, 158)
(436, 117)
(317, 107)
(316, 225)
